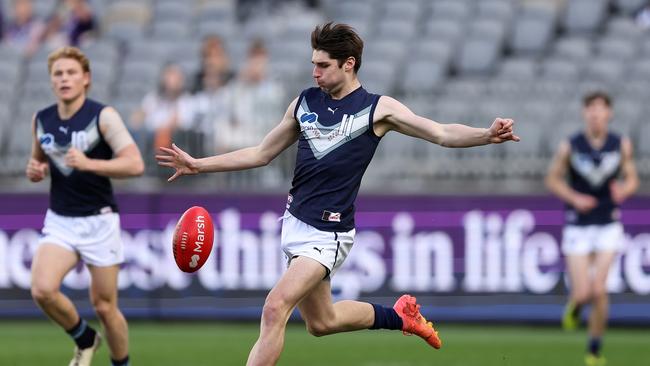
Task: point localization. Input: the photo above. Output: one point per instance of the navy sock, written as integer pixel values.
(386, 318)
(82, 334)
(122, 362)
(594, 346)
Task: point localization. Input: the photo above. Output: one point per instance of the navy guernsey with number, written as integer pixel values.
(73, 192)
(336, 144)
(591, 172)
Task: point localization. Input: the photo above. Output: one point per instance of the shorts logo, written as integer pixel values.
(331, 216)
(289, 200)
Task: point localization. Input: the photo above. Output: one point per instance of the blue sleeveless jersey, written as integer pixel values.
(591, 172)
(336, 145)
(72, 192)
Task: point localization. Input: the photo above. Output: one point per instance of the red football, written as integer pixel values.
(193, 237)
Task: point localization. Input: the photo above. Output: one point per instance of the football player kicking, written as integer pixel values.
(338, 126)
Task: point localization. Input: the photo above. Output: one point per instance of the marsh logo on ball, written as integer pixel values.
(193, 239)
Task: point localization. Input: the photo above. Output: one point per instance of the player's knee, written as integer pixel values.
(319, 328)
(599, 291)
(42, 293)
(103, 308)
(274, 311)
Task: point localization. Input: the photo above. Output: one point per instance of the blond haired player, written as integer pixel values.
(82, 143)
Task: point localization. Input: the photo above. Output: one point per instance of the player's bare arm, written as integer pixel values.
(37, 165)
(126, 162)
(557, 184)
(390, 114)
(277, 140)
(622, 190)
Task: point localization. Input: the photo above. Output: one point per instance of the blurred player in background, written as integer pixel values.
(592, 159)
(82, 143)
(338, 126)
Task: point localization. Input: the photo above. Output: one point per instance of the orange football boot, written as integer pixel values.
(414, 322)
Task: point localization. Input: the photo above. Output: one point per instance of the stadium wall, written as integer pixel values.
(466, 258)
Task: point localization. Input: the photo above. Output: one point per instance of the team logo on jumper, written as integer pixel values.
(47, 142)
(324, 139)
(596, 174)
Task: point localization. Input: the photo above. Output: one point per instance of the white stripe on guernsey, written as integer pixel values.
(89, 138)
(325, 139)
(592, 173)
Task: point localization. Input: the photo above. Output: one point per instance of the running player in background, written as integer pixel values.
(593, 235)
(338, 126)
(82, 143)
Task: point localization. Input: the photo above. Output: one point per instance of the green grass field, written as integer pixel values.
(39, 343)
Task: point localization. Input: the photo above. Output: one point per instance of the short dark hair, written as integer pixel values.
(595, 95)
(340, 41)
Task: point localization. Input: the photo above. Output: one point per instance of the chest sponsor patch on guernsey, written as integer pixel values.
(331, 216)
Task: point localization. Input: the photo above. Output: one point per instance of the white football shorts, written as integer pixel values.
(584, 240)
(328, 248)
(95, 238)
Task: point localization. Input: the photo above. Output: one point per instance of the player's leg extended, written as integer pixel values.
(580, 289)
(299, 280)
(103, 296)
(50, 264)
(322, 317)
(600, 299)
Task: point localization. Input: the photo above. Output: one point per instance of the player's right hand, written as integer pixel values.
(178, 159)
(584, 203)
(501, 130)
(36, 170)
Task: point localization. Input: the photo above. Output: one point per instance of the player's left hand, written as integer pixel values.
(502, 130)
(76, 159)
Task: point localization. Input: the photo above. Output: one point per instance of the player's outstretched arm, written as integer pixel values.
(622, 190)
(276, 141)
(390, 114)
(127, 160)
(36, 169)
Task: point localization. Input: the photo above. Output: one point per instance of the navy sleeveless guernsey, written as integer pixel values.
(591, 172)
(72, 192)
(336, 145)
